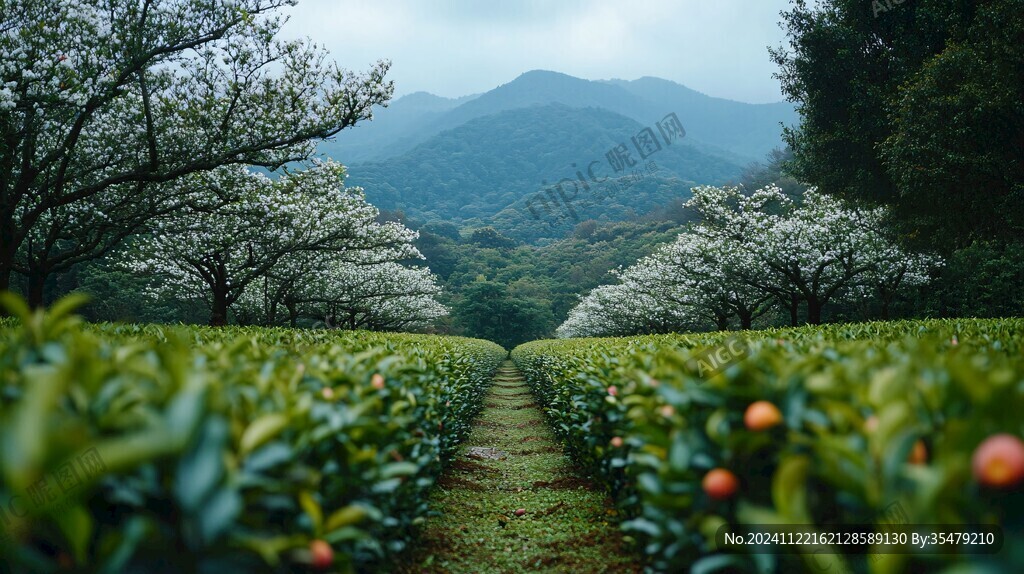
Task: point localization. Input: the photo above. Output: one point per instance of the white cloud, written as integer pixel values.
(457, 47)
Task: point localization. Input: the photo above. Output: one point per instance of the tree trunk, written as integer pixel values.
(5, 285)
(293, 314)
(722, 321)
(746, 319)
(5, 277)
(814, 311)
(887, 297)
(794, 311)
(270, 302)
(219, 312)
(37, 289)
(7, 252)
(272, 314)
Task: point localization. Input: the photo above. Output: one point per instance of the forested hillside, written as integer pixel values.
(735, 130)
(512, 293)
(491, 170)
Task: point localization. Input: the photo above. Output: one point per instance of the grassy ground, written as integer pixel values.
(565, 524)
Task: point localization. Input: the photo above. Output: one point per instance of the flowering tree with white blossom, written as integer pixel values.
(279, 231)
(821, 249)
(698, 271)
(752, 253)
(105, 104)
(387, 296)
(384, 296)
(622, 309)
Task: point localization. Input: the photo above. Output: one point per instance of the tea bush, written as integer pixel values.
(874, 417)
(144, 448)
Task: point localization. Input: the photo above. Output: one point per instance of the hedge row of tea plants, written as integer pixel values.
(852, 424)
(187, 449)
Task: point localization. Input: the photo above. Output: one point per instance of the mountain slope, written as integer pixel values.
(495, 164)
(735, 131)
(544, 87)
(377, 138)
(746, 129)
(538, 87)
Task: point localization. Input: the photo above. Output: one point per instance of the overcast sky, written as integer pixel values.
(458, 47)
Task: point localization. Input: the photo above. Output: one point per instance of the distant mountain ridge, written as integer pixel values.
(738, 131)
(486, 171)
(746, 129)
(380, 137)
(489, 159)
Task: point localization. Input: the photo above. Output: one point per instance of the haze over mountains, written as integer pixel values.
(478, 160)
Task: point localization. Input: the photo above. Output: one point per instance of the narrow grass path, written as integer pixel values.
(511, 461)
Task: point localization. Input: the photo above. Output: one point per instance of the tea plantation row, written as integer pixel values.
(871, 424)
(173, 449)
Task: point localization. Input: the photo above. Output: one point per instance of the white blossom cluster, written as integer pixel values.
(342, 294)
(338, 293)
(752, 254)
(303, 240)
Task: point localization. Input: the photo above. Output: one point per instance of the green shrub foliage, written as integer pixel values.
(651, 415)
(131, 448)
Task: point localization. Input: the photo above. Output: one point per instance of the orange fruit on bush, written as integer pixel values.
(720, 484)
(616, 441)
(998, 461)
(323, 554)
(871, 424)
(377, 381)
(762, 415)
(918, 454)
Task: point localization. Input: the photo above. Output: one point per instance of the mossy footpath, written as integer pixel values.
(511, 501)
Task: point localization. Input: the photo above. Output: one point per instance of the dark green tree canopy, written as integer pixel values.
(916, 105)
(489, 237)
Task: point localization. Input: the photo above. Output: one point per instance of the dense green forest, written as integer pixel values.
(917, 108)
